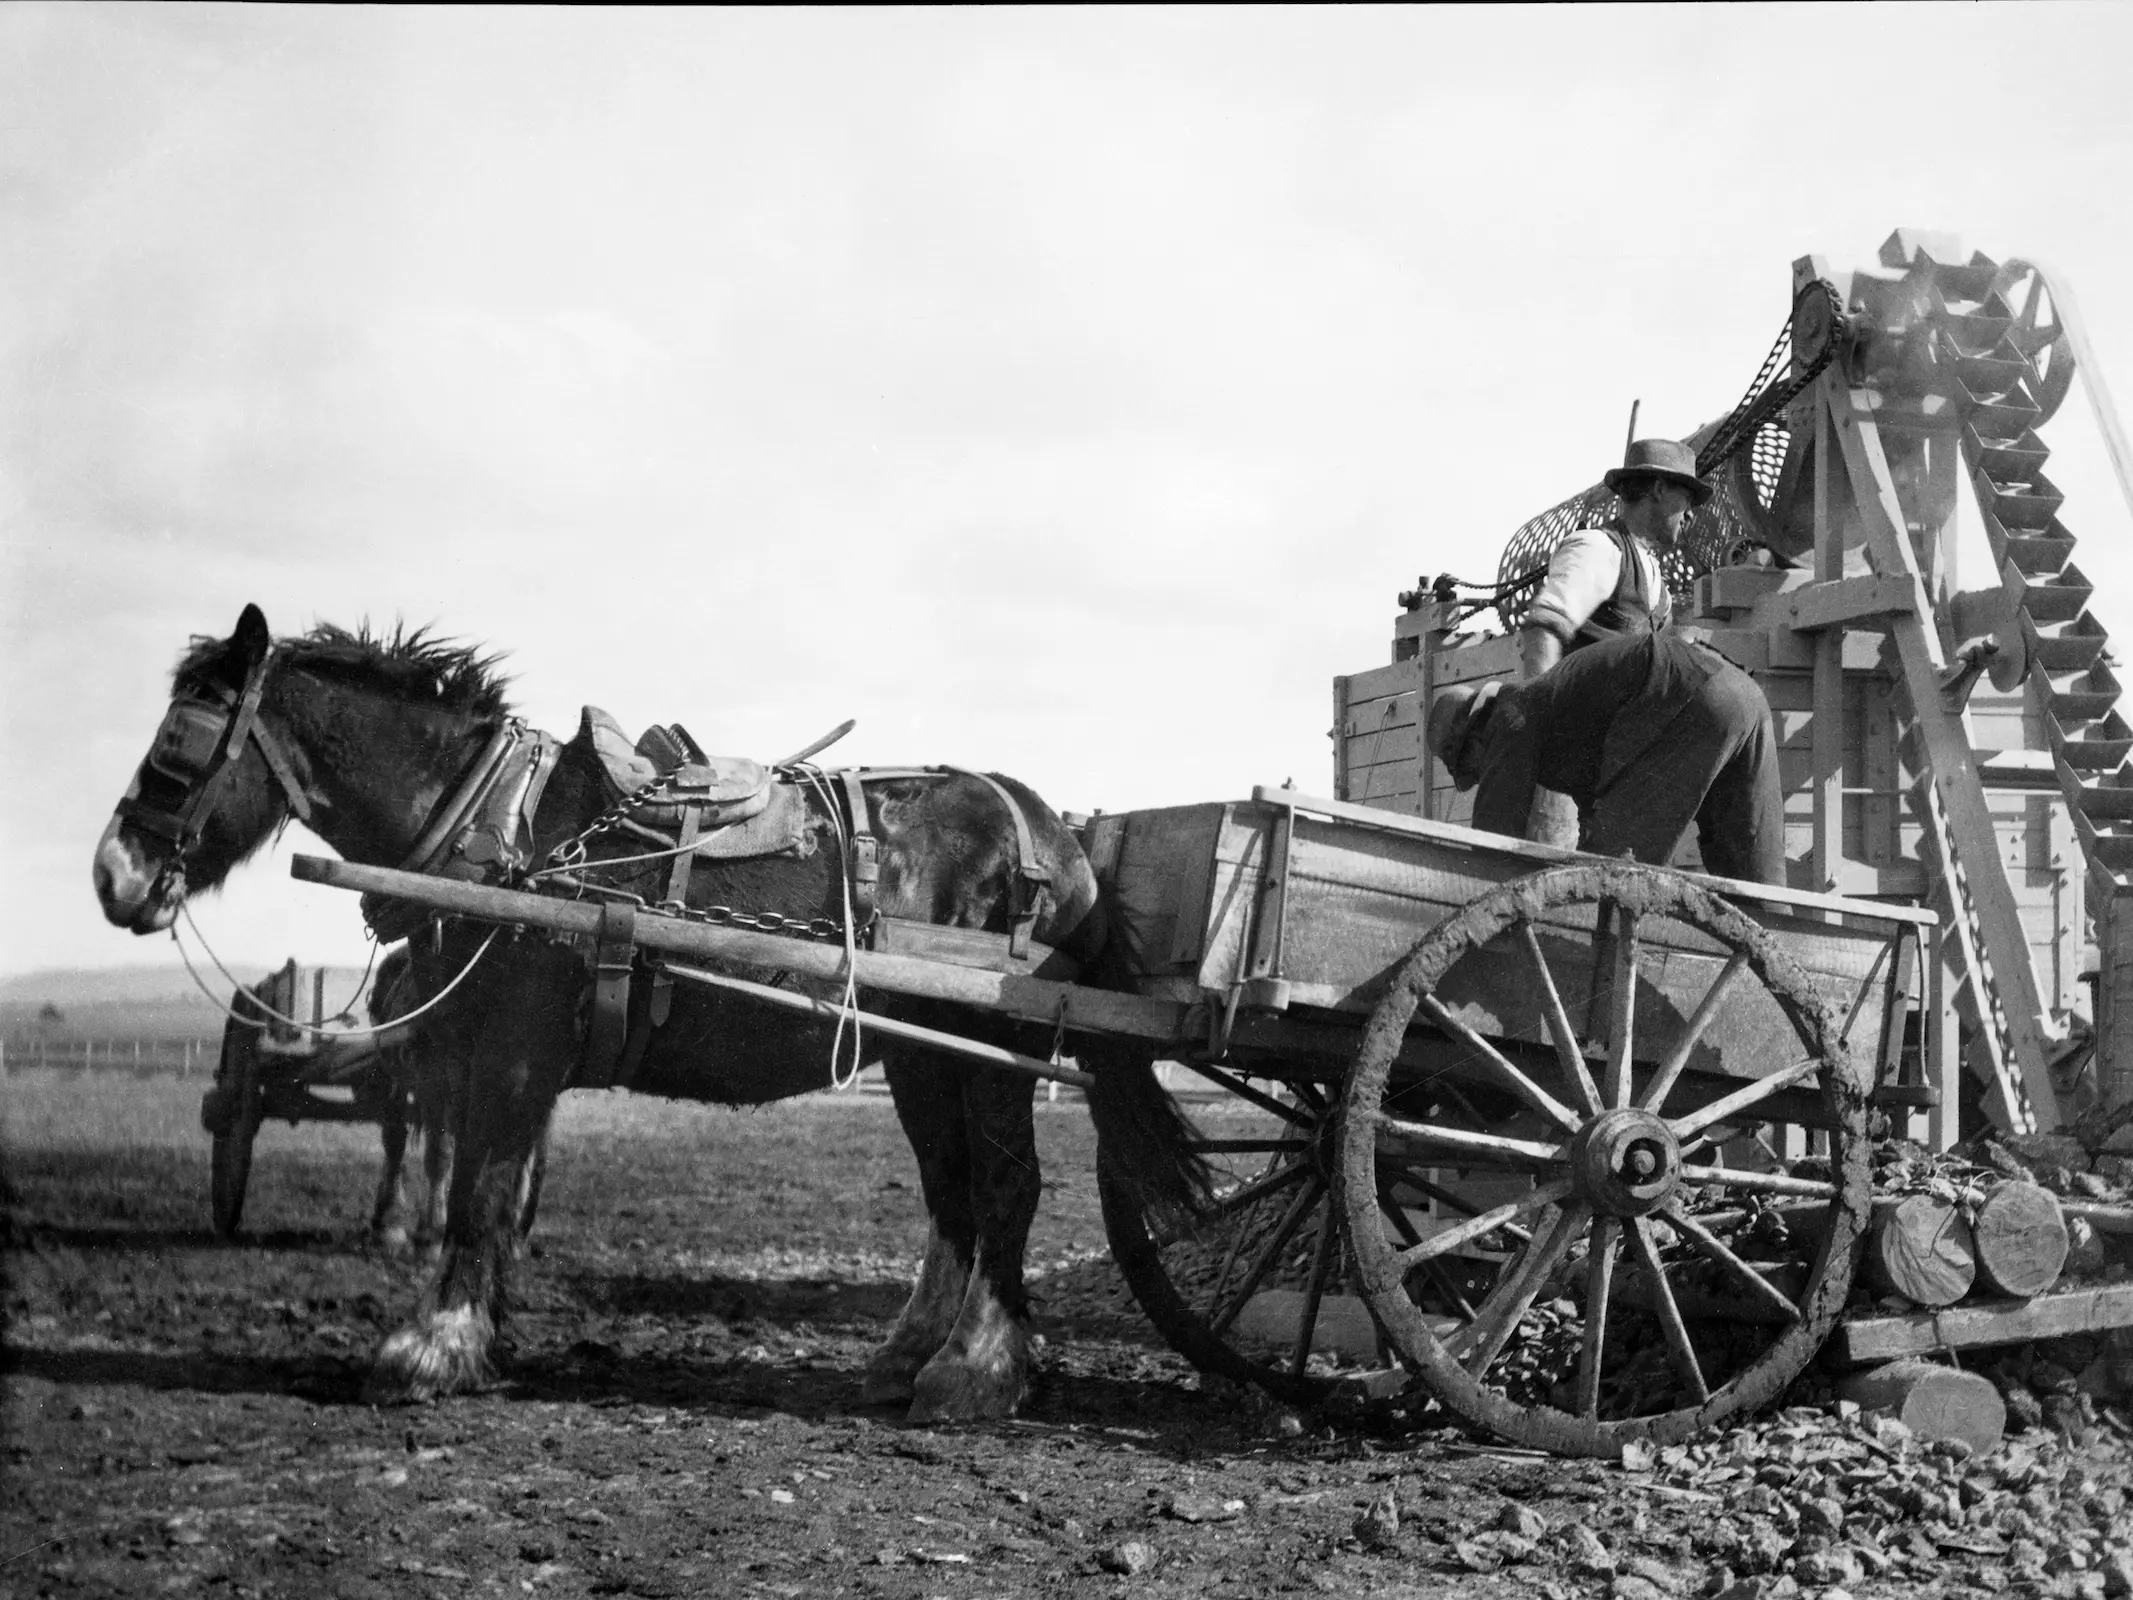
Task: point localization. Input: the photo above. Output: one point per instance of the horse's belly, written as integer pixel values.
(732, 1050)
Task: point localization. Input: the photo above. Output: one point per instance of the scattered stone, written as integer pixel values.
(1486, 1552)
(1130, 1559)
(1586, 1550)
(1521, 1520)
(1838, 1565)
(1204, 1507)
(1822, 1516)
(1379, 1527)
(1626, 1587)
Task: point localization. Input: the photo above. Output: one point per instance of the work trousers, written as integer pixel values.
(1647, 734)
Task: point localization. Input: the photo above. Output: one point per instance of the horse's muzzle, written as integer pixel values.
(133, 888)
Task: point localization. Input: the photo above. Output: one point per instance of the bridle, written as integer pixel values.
(200, 739)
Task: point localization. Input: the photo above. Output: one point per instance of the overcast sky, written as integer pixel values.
(1068, 393)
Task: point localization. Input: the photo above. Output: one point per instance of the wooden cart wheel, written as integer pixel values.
(232, 1112)
(1274, 1229)
(1612, 1170)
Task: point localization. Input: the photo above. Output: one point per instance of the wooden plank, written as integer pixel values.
(1007, 994)
(1540, 855)
(1964, 1327)
(1400, 677)
(1836, 601)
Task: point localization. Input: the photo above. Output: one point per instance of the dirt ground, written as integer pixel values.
(680, 1413)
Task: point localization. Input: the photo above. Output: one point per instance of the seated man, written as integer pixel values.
(1646, 733)
(1608, 580)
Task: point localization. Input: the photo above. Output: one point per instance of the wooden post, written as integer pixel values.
(1972, 837)
(2114, 996)
(1941, 1045)
(1827, 729)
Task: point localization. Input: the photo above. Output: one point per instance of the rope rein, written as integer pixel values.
(292, 1022)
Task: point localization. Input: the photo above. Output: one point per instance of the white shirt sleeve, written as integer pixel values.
(1582, 574)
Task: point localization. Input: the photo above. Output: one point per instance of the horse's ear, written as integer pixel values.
(250, 643)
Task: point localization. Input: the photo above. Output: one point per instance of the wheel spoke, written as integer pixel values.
(1315, 1289)
(1487, 1222)
(1655, 1092)
(1483, 1339)
(1559, 1029)
(1599, 1290)
(1242, 1147)
(1502, 1070)
(1725, 1107)
(1762, 1182)
(1457, 1202)
(1258, 1189)
(1714, 1249)
(1396, 1214)
(1293, 1115)
(1481, 1149)
(1291, 1220)
(1622, 1017)
(1677, 1333)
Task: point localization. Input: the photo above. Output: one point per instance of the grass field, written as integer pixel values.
(824, 1175)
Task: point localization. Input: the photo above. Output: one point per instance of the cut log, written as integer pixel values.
(1933, 1401)
(1921, 1249)
(2020, 1239)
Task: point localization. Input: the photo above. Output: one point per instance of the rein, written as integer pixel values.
(291, 1022)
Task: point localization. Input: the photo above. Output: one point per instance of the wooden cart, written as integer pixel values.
(1533, 1112)
(1539, 1112)
(270, 1069)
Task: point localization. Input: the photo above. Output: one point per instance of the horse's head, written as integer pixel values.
(215, 783)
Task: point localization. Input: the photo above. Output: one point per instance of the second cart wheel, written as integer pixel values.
(1601, 1251)
(1271, 1236)
(233, 1111)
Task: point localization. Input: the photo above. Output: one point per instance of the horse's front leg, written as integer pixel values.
(929, 1104)
(520, 1058)
(388, 1212)
(982, 1367)
(435, 1122)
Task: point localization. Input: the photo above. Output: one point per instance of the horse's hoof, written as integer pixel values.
(888, 1381)
(446, 1353)
(962, 1391)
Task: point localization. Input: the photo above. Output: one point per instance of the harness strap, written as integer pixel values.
(864, 867)
(614, 951)
(1025, 894)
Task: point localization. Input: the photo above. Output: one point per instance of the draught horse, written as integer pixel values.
(369, 739)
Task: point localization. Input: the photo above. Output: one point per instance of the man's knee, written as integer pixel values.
(1735, 704)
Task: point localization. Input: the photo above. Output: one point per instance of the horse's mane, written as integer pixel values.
(415, 667)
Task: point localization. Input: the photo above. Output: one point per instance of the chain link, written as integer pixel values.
(570, 854)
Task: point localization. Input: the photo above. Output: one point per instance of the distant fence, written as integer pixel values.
(186, 1057)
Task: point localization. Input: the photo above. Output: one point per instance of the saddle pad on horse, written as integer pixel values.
(741, 812)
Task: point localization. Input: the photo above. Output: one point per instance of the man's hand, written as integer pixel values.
(1538, 650)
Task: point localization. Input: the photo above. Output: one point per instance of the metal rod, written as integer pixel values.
(991, 1054)
(1632, 439)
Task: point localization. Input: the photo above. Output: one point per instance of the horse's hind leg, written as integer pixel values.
(982, 1367)
(515, 1071)
(929, 1104)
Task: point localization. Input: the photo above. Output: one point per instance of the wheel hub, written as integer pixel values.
(1625, 1163)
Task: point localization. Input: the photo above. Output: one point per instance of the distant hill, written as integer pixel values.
(131, 1002)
